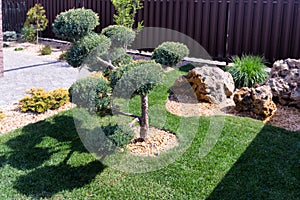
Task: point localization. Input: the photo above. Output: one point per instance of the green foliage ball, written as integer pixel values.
(120, 36)
(75, 24)
(82, 48)
(92, 94)
(136, 78)
(170, 53)
(248, 71)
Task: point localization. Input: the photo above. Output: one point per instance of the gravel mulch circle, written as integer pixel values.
(157, 142)
(15, 119)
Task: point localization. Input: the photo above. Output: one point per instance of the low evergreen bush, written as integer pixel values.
(39, 101)
(170, 53)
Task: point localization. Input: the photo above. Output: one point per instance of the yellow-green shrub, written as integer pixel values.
(1, 115)
(38, 100)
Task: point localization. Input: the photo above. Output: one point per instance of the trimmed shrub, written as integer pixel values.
(46, 50)
(247, 71)
(38, 100)
(120, 36)
(28, 33)
(59, 97)
(119, 135)
(81, 49)
(74, 24)
(92, 94)
(124, 59)
(170, 53)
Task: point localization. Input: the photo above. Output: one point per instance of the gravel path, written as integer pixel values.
(23, 71)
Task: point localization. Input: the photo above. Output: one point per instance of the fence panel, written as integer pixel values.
(224, 28)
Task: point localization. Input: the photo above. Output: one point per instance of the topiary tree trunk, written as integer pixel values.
(144, 121)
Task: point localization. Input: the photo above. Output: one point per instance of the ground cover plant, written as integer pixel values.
(251, 160)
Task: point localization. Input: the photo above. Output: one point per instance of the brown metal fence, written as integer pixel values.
(224, 28)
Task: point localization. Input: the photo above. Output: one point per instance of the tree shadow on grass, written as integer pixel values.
(43, 151)
(268, 169)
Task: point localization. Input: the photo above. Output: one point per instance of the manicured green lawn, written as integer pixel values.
(249, 161)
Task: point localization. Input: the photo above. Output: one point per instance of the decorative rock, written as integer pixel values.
(211, 84)
(257, 101)
(284, 81)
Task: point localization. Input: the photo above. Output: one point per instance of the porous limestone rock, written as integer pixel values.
(257, 101)
(211, 84)
(284, 81)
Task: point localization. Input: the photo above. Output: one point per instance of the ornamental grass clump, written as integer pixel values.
(248, 71)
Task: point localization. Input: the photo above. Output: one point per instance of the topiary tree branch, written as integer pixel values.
(107, 64)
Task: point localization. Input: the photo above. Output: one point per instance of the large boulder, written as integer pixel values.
(211, 84)
(257, 102)
(284, 81)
